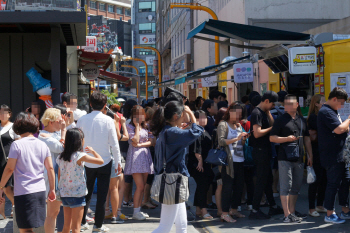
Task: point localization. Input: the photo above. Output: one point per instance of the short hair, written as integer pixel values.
(98, 100)
(223, 95)
(115, 107)
(66, 97)
(50, 114)
(252, 94)
(271, 96)
(256, 100)
(281, 96)
(290, 96)
(207, 104)
(338, 93)
(25, 123)
(233, 106)
(198, 112)
(62, 108)
(214, 94)
(244, 99)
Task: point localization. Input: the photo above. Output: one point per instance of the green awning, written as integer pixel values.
(248, 33)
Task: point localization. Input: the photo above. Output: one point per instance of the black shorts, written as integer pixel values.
(30, 210)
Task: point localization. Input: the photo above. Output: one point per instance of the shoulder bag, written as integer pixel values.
(217, 156)
(292, 149)
(169, 188)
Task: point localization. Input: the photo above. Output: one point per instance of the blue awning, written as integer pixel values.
(218, 69)
(248, 33)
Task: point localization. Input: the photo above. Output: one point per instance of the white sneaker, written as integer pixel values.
(89, 220)
(102, 229)
(84, 227)
(2, 217)
(239, 208)
(145, 214)
(249, 207)
(138, 216)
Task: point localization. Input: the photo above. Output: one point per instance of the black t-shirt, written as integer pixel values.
(259, 117)
(285, 126)
(201, 146)
(330, 144)
(312, 125)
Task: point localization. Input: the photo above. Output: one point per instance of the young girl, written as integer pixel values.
(71, 175)
(139, 161)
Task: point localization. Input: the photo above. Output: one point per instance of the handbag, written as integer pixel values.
(169, 188)
(217, 156)
(292, 149)
(248, 152)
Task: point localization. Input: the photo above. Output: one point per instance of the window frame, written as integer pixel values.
(147, 31)
(93, 2)
(100, 4)
(128, 10)
(109, 8)
(152, 9)
(121, 8)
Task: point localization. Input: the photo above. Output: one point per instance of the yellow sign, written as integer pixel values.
(304, 58)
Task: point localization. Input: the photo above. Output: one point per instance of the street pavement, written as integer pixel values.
(243, 225)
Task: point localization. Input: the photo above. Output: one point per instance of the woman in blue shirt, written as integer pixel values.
(166, 124)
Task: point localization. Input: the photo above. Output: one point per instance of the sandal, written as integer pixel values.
(227, 218)
(148, 206)
(207, 216)
(237, 214)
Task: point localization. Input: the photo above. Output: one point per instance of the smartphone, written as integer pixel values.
(68, 115)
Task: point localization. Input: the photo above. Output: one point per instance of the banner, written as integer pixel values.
(209, 81)
(243, 72)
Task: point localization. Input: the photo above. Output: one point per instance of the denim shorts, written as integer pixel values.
(113, 174)
(73, 202)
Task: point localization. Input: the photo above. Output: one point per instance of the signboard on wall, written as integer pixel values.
(91, 71)
(342, 80)
(209, 81)
(91, 44)
(149, 60)
(243, 72)
(302, 60)
(147, 39)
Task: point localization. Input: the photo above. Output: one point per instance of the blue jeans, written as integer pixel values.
(73, 202)
(337, 181)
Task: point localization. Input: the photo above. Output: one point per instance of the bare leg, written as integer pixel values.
(140, 186)
(121, 190)
(285, 205)
(67, 219)
(292, 202)
(10, 194)
(53, 208)
(113, 190)
(127, 192)
(2, 209)
(77, 216)
(29, 230)
(218, 198)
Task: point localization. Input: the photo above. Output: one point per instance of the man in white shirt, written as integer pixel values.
(100, 134)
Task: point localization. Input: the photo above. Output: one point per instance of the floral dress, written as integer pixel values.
(72, 178)
(138, 160)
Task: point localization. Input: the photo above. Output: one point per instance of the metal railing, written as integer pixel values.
(40, 5)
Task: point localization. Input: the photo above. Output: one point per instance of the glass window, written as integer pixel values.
(145, 52)
(142, 70)
(92, 5)
(147, 6)
(111, 8)
(119, 10)
(127, 11)
(147, 28)
(102, 7)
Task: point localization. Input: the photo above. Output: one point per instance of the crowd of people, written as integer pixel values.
(58, 156)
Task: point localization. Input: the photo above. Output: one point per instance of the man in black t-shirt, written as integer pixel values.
(260, 125)
(290, 130)
(332, 133)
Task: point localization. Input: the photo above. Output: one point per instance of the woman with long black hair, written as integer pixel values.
(165, 124)
(7, 137)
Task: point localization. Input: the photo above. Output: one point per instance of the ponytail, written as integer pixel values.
(164, 115)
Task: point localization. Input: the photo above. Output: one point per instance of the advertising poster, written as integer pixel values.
(243, 72)
(342, 80)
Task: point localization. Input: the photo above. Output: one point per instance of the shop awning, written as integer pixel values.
(102, 60)
(114, 78)
(247, 33)
(197, 74)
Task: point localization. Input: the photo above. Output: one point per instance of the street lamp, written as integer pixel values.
(145, 63)
(159, 63)
(137, 82)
